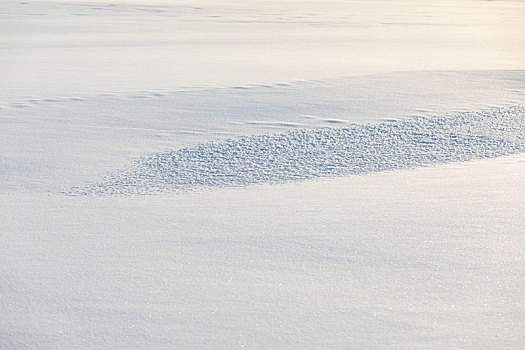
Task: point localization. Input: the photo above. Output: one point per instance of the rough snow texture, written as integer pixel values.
(306, 154)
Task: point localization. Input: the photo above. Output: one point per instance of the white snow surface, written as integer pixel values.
(306, 154)
(62, 48)
(104, 133)
(319, 174)
(425, 258)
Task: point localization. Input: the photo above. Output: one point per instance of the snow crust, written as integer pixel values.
(81, 139)
(306, 154)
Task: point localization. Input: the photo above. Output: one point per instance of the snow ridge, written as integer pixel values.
(312, 153)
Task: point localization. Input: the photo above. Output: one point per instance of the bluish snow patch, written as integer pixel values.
(313, 153)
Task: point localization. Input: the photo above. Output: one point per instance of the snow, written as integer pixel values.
(60, 48)
(104, 133)
(319, 174)
(306, 154)
(425, 258)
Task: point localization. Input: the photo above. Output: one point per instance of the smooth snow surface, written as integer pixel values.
(65, 48)
(426, 258)
(404, 121)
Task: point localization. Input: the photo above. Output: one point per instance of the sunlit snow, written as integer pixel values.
(262, 174)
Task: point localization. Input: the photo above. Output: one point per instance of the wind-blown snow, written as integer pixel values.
(306, 154)
(79, 140)
(211, 96)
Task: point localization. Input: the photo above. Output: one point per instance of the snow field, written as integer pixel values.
(223, 109)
